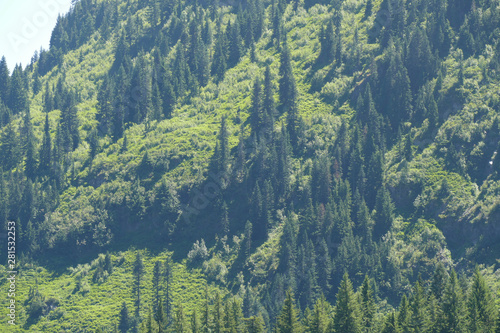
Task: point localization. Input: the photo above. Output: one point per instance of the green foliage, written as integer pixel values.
(347, 316)
(136, 107)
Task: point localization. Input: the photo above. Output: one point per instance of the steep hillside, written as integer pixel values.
(270, 155)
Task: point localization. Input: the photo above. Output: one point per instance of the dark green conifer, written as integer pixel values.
(288, 321)
(347, 316)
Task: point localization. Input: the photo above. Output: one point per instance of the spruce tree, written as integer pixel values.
(138, 273)
(46, 150)
(288, 321)
(268, 104)
(161, 317)
(4, 81)
(30, 150)
(222, 154)
(5, 114)
(248, 238)
(218, 314)
(256, 111)
(287, 87)
(480, 305)
(235, 44)
(225, 219)
(121, 51)
(319, 318)
(347, 316)
(195, 322)
(167, 95)
(219, 64)
(156, 284)
(124, 324)
(368, 308)
(288, 96)
(453, 310)
(404, 314)
(4, 203)
(168, 276)
(384, 212)
(391, 325)
(327, 42)
(149, 325)
(180, 325)
(439, 281)
(419, 320)
(205, 320)
(18, 96)
(255, 324)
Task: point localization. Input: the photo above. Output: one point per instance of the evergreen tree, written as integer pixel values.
(9, 147)
(318, 320)
(108, 263)
(157, 102)
(288, 321)
(93, 141)
(218, 314)
(181, 75)
(288, 96)
(368, 308)
(235, 44)
(206, 313)
(37, 84)
(225, 219)
(4, 81)
(255, 324)
(138, 272)
(480, 306)
(347, 316)
(121, 51)
(4, 203)
(219, 64)
(398, 103)
(30, 150)
(149, 326)
(5, 114)
(453, 310)
(156, 284)
(222, 154)
(168, 95)
(439, 280)
(141, 92)
(419, 316)
(268, 104)
(168, 275)
(46, 150)
(391, 325)
(124, 324)
(180, 325)
(256, 111)
(324, 266)
(18, 96)
(407, 147)
(248, 238)
(161, 317)
(287, 87)
(384, 212)
(195, 322)
(404, 314)
(327, 41)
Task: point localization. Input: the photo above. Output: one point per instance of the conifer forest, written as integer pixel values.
(248, 166)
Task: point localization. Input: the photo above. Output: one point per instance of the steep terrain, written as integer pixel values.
(241, 157)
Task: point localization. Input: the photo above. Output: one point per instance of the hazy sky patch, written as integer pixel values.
(26, 25)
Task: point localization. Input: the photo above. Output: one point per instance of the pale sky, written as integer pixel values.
(26, 25)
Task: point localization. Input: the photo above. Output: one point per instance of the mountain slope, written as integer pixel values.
(299, 140)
